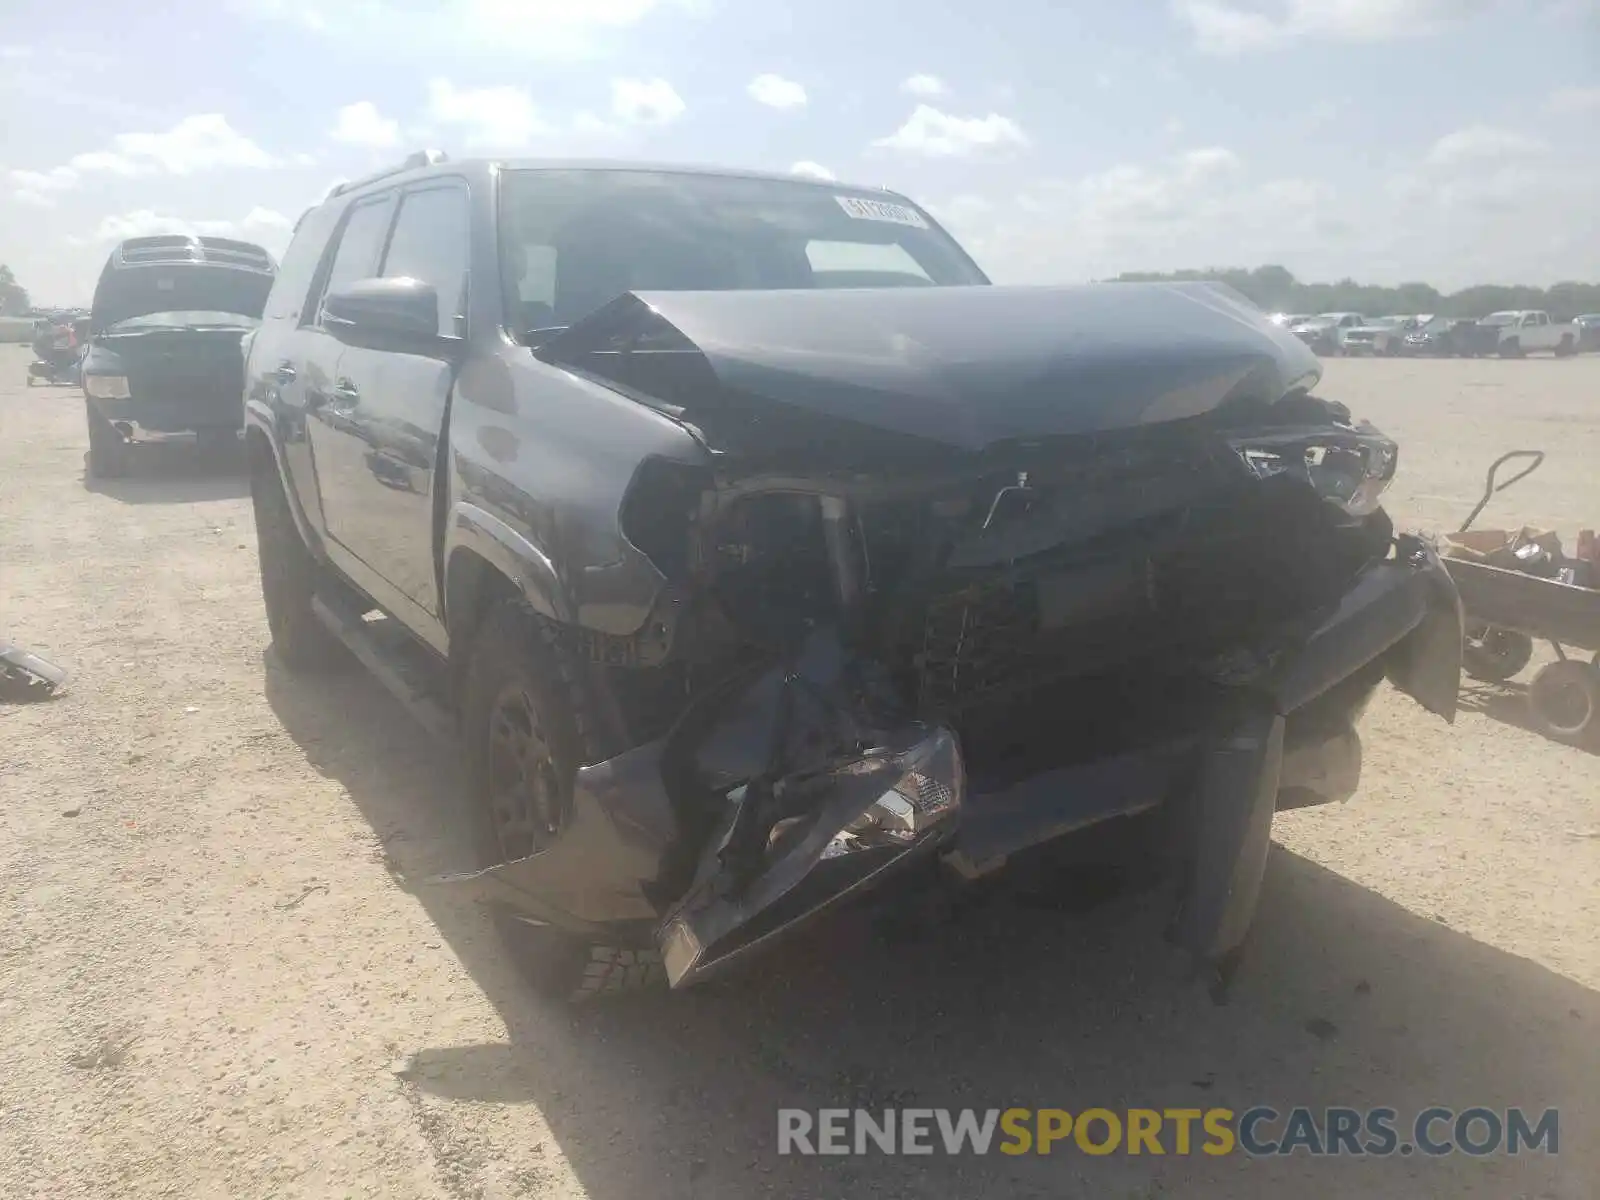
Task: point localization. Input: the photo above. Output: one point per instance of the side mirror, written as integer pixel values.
(395, 314)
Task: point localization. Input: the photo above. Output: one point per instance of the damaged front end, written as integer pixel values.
(880, 651)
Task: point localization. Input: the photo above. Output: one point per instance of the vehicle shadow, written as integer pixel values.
(175, 473)
(1508, 703)
(1345, 998)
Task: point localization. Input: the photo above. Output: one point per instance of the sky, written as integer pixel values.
(1449, 141)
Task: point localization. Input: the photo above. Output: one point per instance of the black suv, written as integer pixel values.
(166, 329)
(755, 548)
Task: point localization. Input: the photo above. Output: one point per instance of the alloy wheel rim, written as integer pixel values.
(523, 796)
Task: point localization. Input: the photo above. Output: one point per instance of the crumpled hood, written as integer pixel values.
(964, 366)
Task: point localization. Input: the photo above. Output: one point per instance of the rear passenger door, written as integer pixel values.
(390, 406)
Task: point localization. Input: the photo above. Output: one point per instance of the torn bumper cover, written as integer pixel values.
(785, 847)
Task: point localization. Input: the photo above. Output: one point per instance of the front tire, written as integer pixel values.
(528, 722)
(108, 453)
(1511, 348)
(289, 577)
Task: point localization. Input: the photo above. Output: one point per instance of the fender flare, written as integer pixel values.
(529, 568)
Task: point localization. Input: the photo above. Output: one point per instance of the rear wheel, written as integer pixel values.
(1493, 654)
(289, 577)
(1564, 700)
(1565, 348)
(527, 725)
(108, 453)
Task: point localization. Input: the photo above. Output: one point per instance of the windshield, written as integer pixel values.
(189, 319)
(1504, 318)
(573, 240)
(1387, 322)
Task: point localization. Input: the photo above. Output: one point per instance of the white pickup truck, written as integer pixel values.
(1516, 332)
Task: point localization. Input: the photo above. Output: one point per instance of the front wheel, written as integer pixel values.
(527, 724)
(108, 453)
(1564, 700)
(1511, 348)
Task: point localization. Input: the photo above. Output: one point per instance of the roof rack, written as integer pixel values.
(422, 158)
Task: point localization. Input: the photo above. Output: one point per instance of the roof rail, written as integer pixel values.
(422, 158)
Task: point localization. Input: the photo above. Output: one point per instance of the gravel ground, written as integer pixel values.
(214, 981)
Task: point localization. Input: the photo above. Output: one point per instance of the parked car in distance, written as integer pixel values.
(164, 358)
(1290, 320)
(1588, 327)
(1518, 332)
(1381, 335)
(1437, 336)
(1324, 333)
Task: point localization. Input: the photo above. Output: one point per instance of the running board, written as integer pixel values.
(404, 668)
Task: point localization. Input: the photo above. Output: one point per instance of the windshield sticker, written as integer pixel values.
(881, 210)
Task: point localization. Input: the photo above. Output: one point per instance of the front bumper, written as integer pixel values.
(1282, 737)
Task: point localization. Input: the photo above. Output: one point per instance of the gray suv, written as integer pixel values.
(756, 550)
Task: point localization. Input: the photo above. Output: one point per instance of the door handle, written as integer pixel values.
(284, 373)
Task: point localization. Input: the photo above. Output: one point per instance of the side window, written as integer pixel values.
(432, 242)
(359, 245)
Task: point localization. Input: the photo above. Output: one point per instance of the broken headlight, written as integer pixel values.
(1351, 472)
(927, 793)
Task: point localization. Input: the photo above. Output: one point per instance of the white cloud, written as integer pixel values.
(1209, 160)
(939, 135)
(923, 85)
(491, 117)
(812, 170)
(15, 53)
(33, 199)
(645, 101)
(103, 161)
(54, 180)
(776, 92)
(1223, 27)
(199, 143)
(1482, 144)
(1199, 208)
(513, 29)
(361, 124)
(1575, 100)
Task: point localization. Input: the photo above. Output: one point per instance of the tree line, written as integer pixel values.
(1276, 290)
(13, 296)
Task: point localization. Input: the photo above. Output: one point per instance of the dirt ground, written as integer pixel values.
(214, 980)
